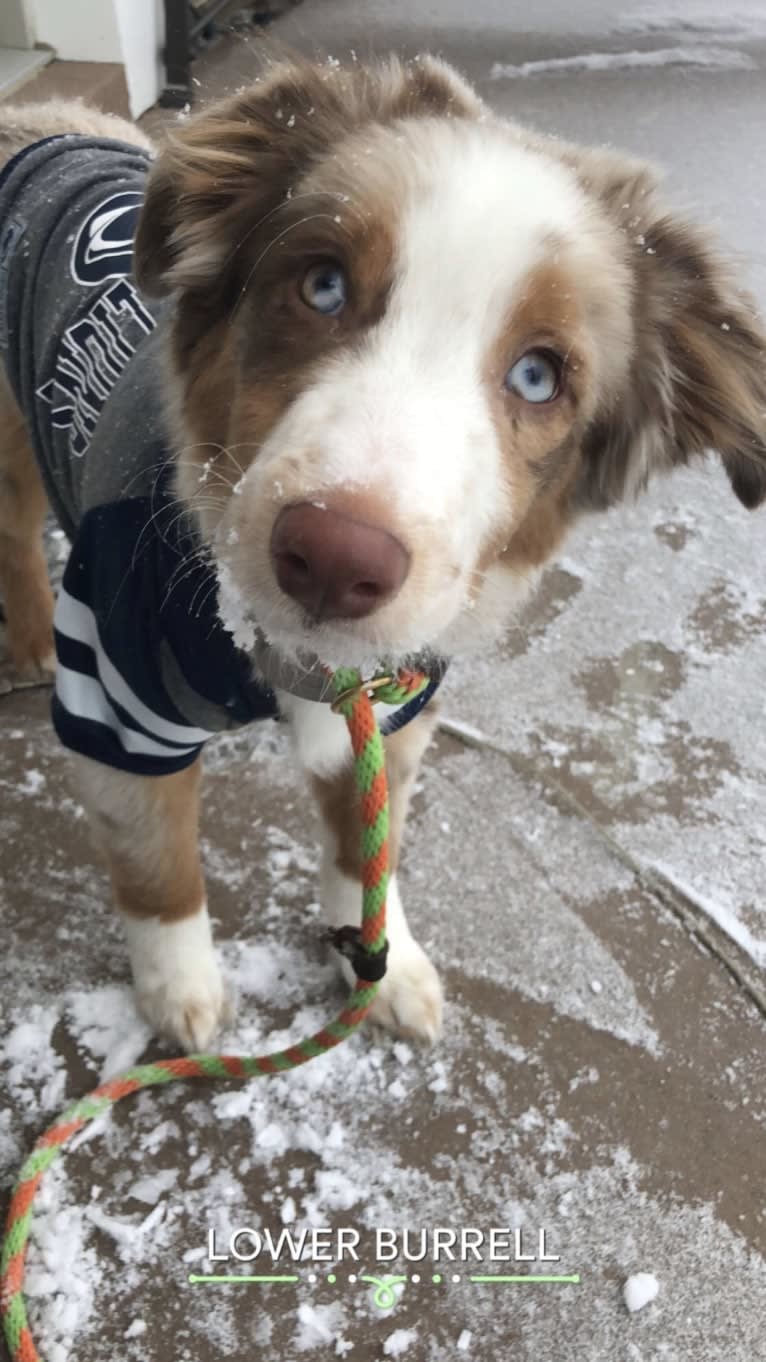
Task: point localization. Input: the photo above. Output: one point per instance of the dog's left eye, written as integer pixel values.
(536, 376)
(324, 289)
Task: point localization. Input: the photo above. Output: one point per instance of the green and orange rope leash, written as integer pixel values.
(365, 947)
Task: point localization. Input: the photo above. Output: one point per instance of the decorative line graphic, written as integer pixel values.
(385, 1287)
(194, 1280)
(385, 1293)
(573, 1280)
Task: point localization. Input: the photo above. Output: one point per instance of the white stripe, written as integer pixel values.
(83, 697)
(77, 621)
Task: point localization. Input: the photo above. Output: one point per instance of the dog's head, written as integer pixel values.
(412, 342)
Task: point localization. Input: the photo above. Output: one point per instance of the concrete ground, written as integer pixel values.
(585, 864)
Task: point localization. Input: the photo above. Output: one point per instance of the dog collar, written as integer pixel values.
(307, 678)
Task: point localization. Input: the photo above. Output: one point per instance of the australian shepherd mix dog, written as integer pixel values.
(322, 383)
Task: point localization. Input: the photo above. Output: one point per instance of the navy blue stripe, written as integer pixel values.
(100, 743)
(410, 711)
(122, 588)
(79, 657)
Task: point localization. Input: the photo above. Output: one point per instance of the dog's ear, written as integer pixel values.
(697, 378)
(225, 170)
(232, 162)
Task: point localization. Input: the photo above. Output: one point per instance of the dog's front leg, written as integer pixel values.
(410, 998)
(146, 826)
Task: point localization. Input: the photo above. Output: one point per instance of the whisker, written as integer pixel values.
(313, 217)
(287, 202)
(185, 568)
(213, 587)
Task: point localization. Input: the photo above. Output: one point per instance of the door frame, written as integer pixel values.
(16, 28)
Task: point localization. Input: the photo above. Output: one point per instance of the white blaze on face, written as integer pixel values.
(480, 211)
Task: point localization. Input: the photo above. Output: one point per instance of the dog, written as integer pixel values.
(380, 351)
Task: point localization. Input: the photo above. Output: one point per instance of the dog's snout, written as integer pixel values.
(336, 567)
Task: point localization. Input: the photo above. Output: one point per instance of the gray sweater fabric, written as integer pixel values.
(79, 342)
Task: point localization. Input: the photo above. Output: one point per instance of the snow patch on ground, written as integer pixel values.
(740, 19)
(640, 1290)
(318, 1325)
(554, 963)
(34, 1072)
(635, 717)
(710, 58)
(399, 1342)
(106, 1027)
(725, 915)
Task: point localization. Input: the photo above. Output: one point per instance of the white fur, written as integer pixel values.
(178, 982)
(320, 737)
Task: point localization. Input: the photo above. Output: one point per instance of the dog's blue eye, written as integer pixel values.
(536, 376)
(324, 289)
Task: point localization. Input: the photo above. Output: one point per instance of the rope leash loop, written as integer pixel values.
(347, 941)
(366, 948)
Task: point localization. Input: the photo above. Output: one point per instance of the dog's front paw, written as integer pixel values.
(188, 1009)
(410, 999)
(179, 986)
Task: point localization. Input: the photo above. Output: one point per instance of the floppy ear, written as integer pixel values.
(232, 162)
(697, 380)
(221, 173)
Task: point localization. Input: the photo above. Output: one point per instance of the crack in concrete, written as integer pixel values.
(659, 886)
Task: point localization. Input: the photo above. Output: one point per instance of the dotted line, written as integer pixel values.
(352, 1279)
(389, 1281)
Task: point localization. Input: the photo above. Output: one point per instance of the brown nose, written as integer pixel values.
(334, 566)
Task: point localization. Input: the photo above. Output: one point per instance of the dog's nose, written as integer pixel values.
(336, 567)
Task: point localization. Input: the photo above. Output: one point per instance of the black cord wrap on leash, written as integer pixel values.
(369, 966)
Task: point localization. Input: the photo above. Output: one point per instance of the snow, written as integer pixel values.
(355, 1173)
(105, 1025)
(318, 1325)
(704, 19)
(399, 1342)
(648, 738)
(639, 1290)
(711, 58)
(377, 1132)
(33, 783)
(34, 1072)
(724, 914)
(233, 608)
(127, 1232)
(151, 1189)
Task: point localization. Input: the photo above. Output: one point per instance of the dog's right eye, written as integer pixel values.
(324, 289)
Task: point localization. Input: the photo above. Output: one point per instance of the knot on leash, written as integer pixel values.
(369, 966)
